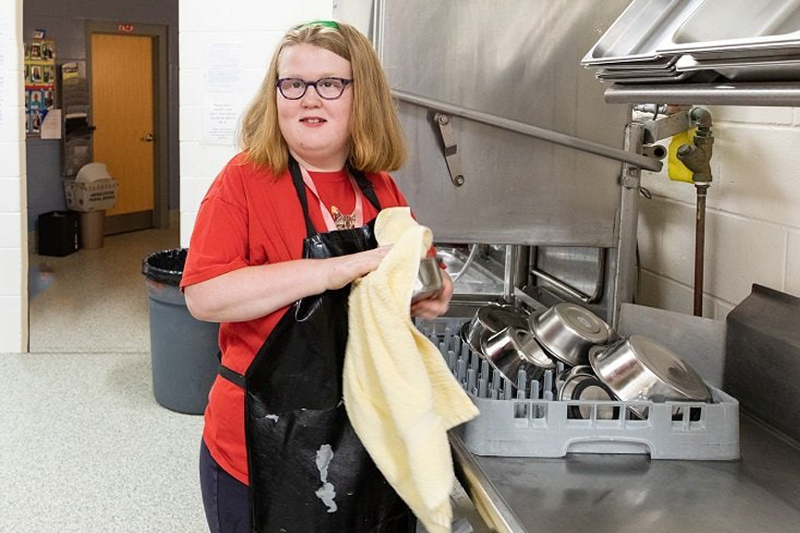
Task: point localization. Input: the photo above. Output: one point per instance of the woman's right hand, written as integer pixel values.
(344, 269)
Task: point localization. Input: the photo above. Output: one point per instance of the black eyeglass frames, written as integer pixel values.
(327, 88)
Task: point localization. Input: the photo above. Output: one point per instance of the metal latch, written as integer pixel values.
(451, 156)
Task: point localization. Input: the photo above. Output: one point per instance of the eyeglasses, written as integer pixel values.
(327, 88)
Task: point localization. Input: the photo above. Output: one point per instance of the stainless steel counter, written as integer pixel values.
(631, 493)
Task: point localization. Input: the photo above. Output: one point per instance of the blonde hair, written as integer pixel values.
(376, 140)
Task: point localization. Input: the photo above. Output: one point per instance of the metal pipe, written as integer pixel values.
(510, 273)
(377, 28)
(753, 94)
(699, 248)
(583, 145)
(701, 117)
(624, 275)
(572, 291)
(522, 268)
(473, 251)
(697, 158)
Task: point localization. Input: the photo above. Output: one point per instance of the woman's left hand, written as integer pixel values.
(431, 308)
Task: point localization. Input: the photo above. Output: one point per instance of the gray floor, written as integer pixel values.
(97, 302)
(84, 447)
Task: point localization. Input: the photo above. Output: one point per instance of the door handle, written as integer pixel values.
(149, 138)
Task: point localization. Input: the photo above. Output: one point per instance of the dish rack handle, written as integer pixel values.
(616, 444)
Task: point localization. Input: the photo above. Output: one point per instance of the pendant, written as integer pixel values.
(342, 220)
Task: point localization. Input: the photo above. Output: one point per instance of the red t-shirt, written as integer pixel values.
(250, 217)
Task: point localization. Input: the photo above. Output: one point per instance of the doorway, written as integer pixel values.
(95, 300)
(126, 64)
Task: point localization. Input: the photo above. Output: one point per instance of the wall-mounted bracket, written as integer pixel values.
(662, 128)
(450, 148)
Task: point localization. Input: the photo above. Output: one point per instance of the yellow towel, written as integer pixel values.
(399, 393)
(676, 170)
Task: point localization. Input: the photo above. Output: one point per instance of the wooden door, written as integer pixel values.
(122, 113)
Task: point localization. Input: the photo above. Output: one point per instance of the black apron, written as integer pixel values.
(309, 472)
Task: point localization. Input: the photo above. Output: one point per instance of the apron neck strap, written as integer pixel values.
(366, 187)
(300, 188)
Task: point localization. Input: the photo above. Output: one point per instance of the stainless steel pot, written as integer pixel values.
(582, 386)
(568, 373)
(429, 280)
(512, 350)
(638, 368)
(567, 331)
(491, 319)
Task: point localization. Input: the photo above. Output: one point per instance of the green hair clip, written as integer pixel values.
(327, 23)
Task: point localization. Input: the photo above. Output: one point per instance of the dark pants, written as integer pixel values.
(226, 499)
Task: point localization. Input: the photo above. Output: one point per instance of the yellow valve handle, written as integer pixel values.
(676, 170)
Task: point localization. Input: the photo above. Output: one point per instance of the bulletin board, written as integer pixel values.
(40, 83)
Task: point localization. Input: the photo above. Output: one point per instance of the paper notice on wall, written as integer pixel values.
(51, 127)
(225, 67)
(222, 96)
(221, 114)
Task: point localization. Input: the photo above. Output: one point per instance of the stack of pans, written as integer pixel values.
(657, 41)
(599, 366)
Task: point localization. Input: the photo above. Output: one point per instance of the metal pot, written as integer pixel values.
(568, 373)
(429, 280)
(513, 349)
(638, 368)
(581, 386)
(491, 319)
(567, 331)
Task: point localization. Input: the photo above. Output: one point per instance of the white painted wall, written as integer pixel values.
(753, 225)
(13, 211)
(205, 26)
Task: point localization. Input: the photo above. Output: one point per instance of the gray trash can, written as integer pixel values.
(183, 349)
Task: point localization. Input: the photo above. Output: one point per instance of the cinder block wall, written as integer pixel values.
(13, 210)
(753, 216)
(207, 29)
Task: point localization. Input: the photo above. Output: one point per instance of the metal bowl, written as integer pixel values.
(491, 319)
(581, 386)
(638, 368)
(514, 349)
(567, 331)
(568, 373)
(429, 280)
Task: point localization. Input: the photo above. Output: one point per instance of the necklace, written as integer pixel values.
(334, 218)
(343, 220)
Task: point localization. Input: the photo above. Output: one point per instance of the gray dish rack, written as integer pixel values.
(525, 419)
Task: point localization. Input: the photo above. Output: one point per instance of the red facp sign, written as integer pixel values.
(125, 28)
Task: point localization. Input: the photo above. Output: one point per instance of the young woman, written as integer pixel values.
(282, 232)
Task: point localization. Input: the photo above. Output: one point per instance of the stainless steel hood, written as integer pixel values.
(517, 60)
